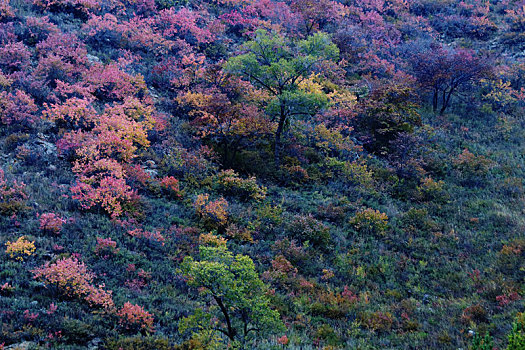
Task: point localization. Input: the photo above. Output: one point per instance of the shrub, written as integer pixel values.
(14, 56)
(51, 222)
(17, 108)
(134, 318)
(20, 248)
(108, 192)
(73, 278)
(307, 228)
(516, 336)
(105, 246)
(370, 221)
(378, 321)
(6, 11)
(213, 213)
(230, 183)
(431, 190)
(240, 233)
(170, 186)
(148, 235)
(12, 196)
(472, 167)
(83, 6)
(140, 343)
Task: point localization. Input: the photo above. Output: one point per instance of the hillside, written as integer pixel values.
(262, 174)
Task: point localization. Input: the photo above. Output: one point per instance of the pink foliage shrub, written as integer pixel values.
(105, 246)
(38, 28)
(12, 195)
(137, 33)
(155, 236)
(186, 24)
(14, 56)
(51, 222)
(17, 108)
(78, 5)
(6, 11)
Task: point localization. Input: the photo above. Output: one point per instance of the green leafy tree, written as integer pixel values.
(237, 297)
(281, 67)
(516, 336)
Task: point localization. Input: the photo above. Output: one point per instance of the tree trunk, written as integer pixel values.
(435, 100)
(278, 134)
(231, 332)
(446, 99)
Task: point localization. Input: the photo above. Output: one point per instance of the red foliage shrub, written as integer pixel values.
(134, 317)
(170, 186)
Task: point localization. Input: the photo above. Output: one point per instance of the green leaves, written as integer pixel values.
(234, 286)
(277, 65)
(280, 67)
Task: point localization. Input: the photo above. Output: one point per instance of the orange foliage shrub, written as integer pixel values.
(74, 279)
(213, 213)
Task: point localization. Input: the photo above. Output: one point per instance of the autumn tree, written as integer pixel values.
(316, 14)
(282, 68)
(231, 283)
(387, 112)
(444, 71)
(225, 113)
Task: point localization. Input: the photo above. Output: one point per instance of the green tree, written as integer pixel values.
(237, 297)
(280, 67)
(516, 336)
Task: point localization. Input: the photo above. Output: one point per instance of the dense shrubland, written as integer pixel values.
(335, 174)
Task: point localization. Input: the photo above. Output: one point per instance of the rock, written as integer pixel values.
(52, 168)
(94, 344)
(151, 172)
(151, 164)
(92, 58)
(21, 346)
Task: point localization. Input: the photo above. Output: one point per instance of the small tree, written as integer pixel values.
(279, 67)
(231, 282)
(444, 71)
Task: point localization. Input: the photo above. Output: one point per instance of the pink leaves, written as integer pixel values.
(51, 222)
(17, 107)
(187, 24)
(14, 56)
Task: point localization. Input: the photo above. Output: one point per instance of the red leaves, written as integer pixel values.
(134, 317)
